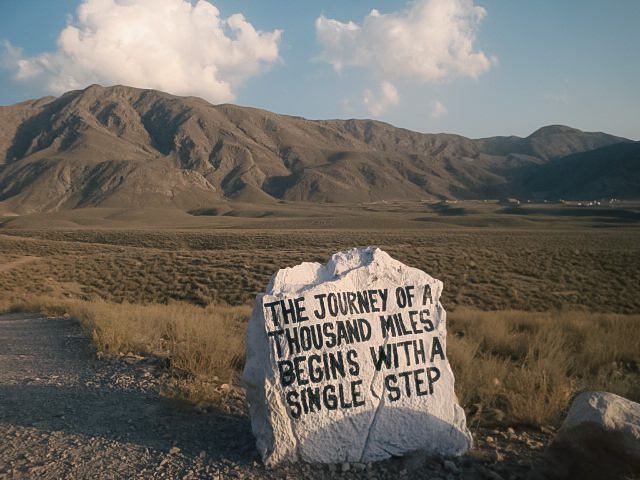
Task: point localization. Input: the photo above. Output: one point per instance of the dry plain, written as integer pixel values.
(542, 299)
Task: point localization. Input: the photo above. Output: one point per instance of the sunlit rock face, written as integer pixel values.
(347, 362)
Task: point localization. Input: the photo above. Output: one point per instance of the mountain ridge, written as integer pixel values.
(122, 146)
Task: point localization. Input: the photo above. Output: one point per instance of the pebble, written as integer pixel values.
(449, 466)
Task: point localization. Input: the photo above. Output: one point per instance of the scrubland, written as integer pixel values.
(537, 311)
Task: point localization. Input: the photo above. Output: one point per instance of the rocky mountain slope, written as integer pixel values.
(126, 147)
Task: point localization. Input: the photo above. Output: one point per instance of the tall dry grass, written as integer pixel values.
(510, 366)
(517, 344)
(528, 365)
(200, 342)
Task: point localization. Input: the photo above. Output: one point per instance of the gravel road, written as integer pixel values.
(66, 413)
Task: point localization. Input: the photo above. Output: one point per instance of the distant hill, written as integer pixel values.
(127, 147)
(608, 172)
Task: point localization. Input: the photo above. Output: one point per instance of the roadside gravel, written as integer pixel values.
(67, 413)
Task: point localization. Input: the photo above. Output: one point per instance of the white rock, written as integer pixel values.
(346, 363)
(600, 438)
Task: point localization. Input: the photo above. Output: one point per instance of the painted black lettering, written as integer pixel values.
(363, 302)
(287, 376)
(426, 321)
(327, 329)
(406, 350)
(332, 303)
(419, 352)
(383, 295)
(305, 338)
(407, 384)
(436, 349)
(356, 394)
(276, 335)
(300, 310)
(386, 324)
(354, 368)
(395, 354)
(390, 382)
(400, 326)
(325, 362)
(410, 295)
(329, 397)
(288, 312)
(314, 398)
(343, 404)
(419, 381)
(305, 405)
(292, 340)
(336, 363)
(295, 406)
(316, 336)
(351, 300)
(365, 333)
(401, 297)
(427, 295)
(352, 330)
(299, 371)
(373, 301)
(414, 323)
(322, 313)
(274, 313)
(342, 332)
(342, 303)
(383, 356)
(315, 372)
(432, 378)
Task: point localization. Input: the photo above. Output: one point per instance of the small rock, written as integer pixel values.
(449, 466)
(345, 467)
(497, 457)
(174, 450)
(600, 438)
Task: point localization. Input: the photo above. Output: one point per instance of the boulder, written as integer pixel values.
(600, 438)
(346, 362)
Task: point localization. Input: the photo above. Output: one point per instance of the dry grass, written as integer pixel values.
(200, 346)
(535, 315)
(527, 366)
(485, 269)
(199, 341)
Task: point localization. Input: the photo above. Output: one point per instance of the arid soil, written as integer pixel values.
(66, 412)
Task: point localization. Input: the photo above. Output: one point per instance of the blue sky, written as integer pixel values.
(477, 68)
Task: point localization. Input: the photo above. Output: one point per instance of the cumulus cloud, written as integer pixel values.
(431, 41)
(170, 45)
(378, 102)
(438, 109)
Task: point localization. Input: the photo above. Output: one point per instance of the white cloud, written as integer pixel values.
(434, 40)
(438, 109)
(170, 45)
(378, 103)
(431, 41)
(557, 99)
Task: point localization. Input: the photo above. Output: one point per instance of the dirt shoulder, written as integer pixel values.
(65, 413)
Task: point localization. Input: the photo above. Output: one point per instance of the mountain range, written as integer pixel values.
(126, 147)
